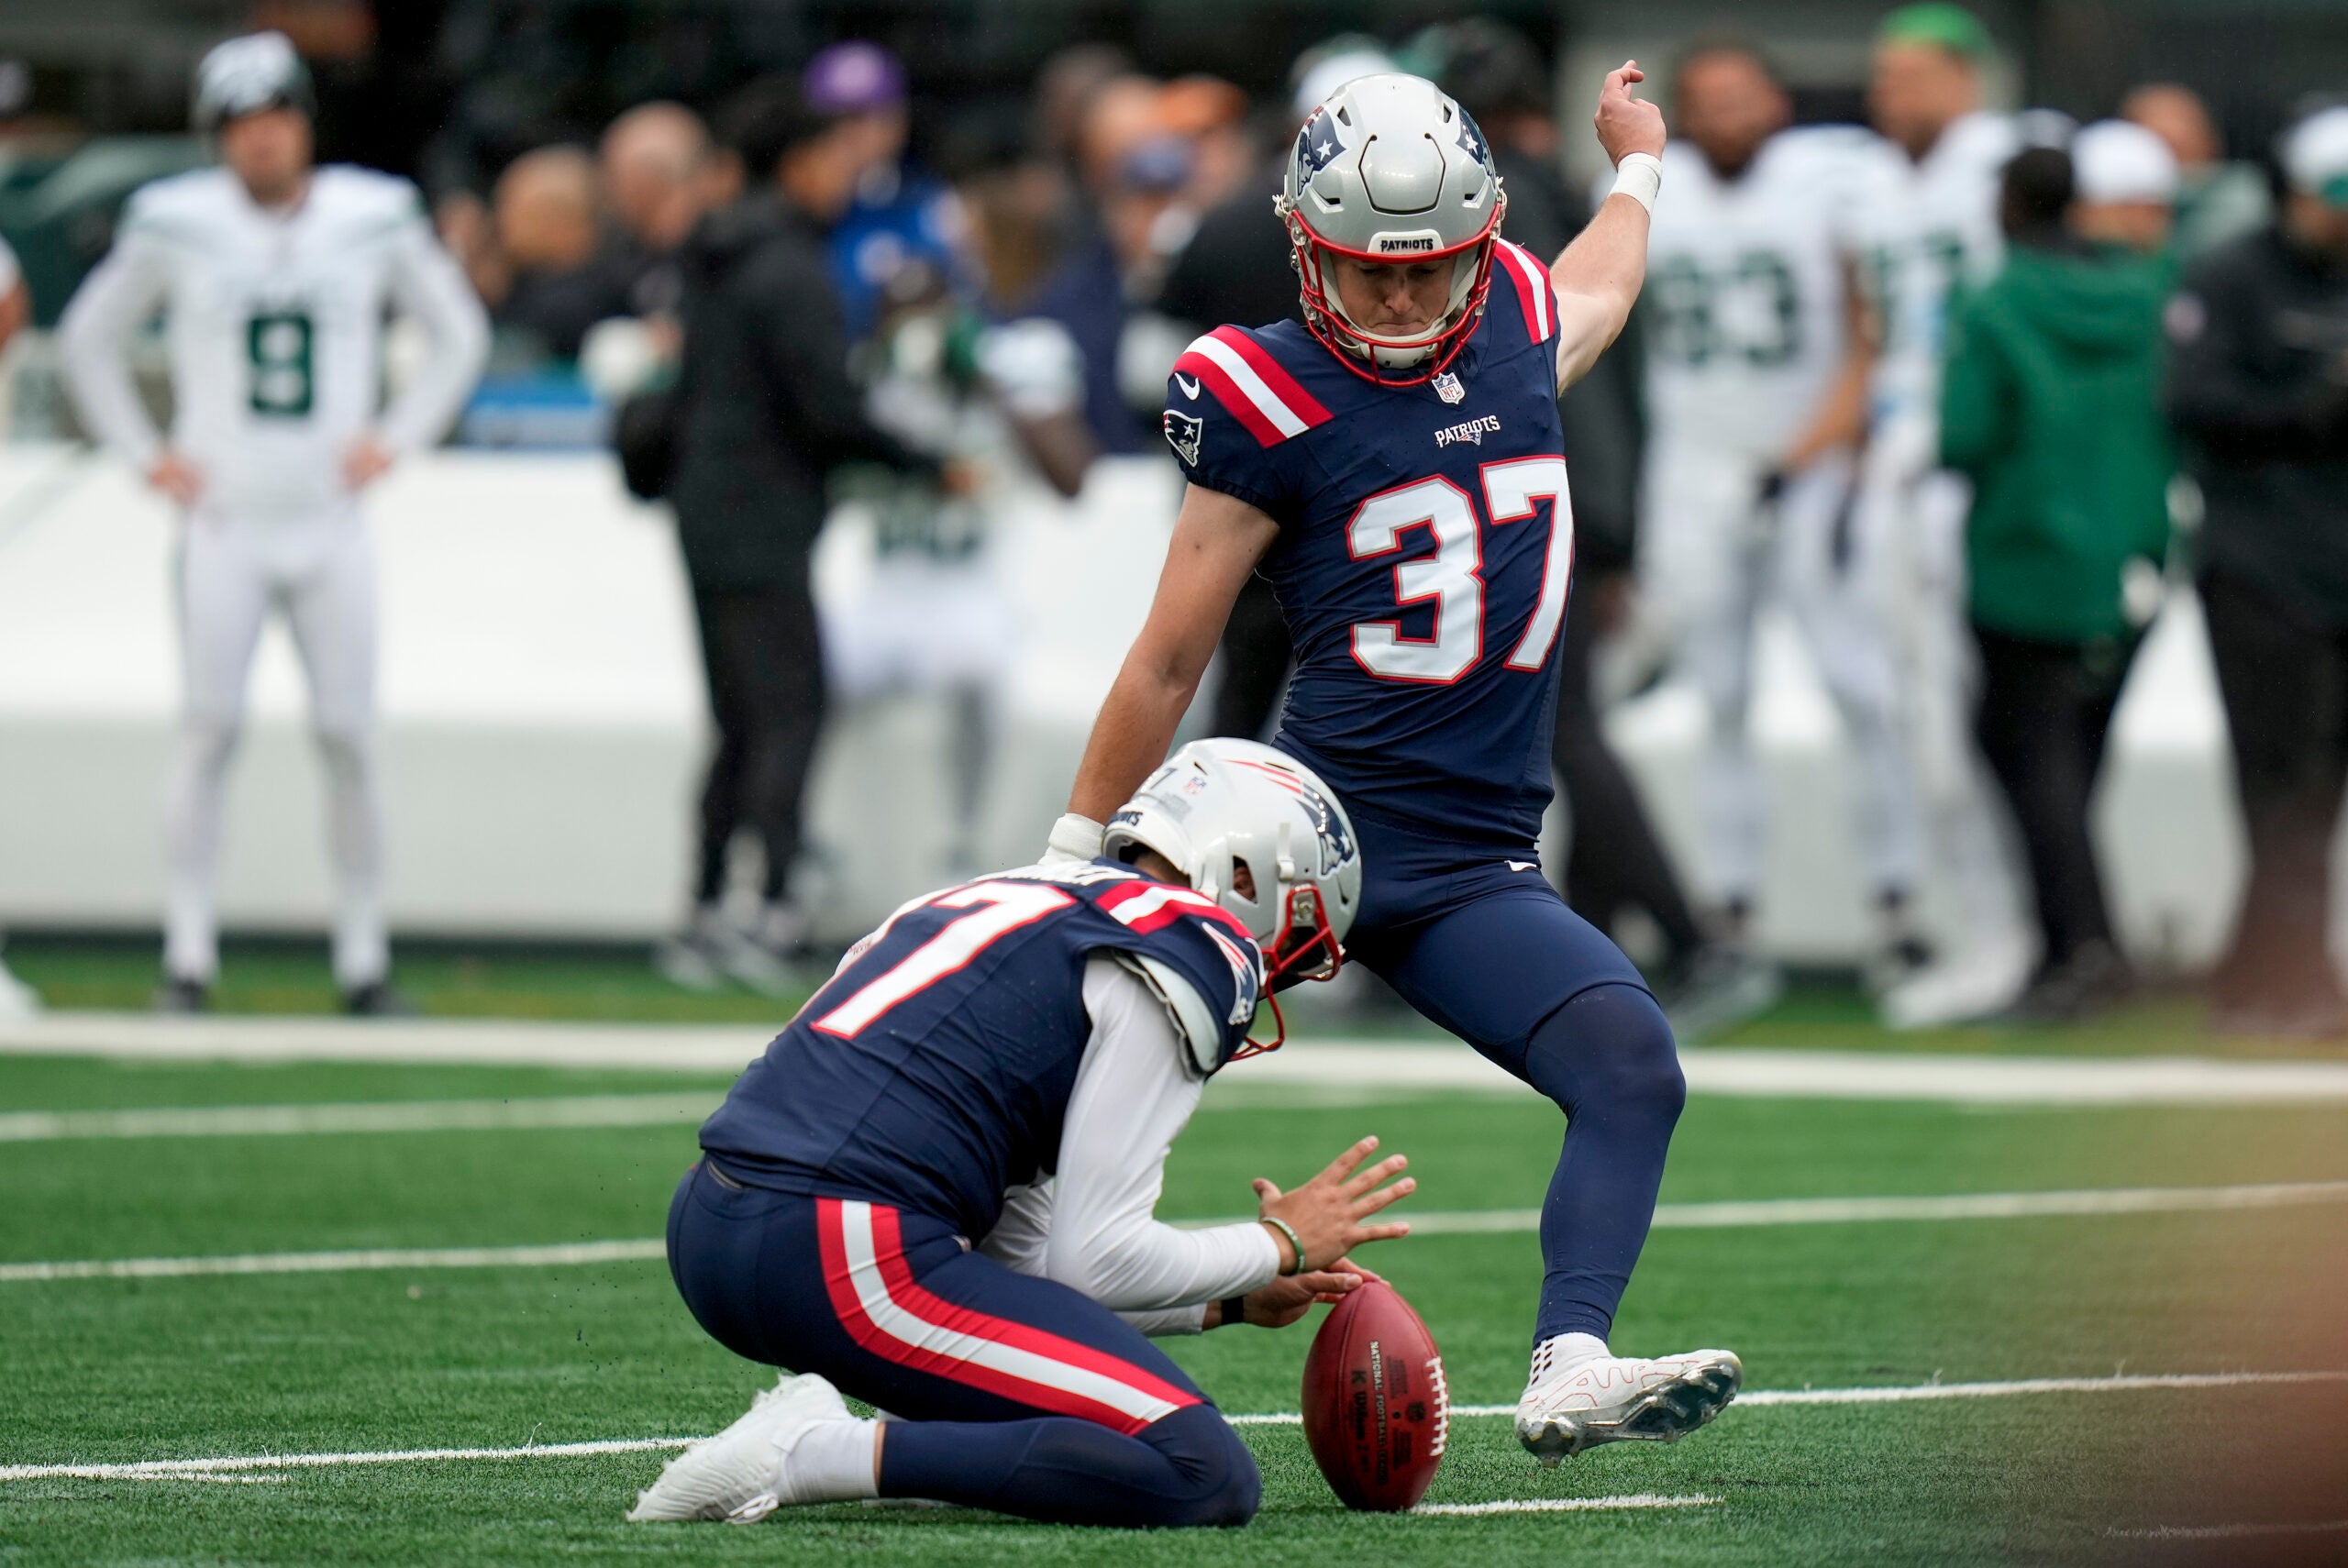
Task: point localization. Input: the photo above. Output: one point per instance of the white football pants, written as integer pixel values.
(320, 573)
(1918, 512)
(1710, 557)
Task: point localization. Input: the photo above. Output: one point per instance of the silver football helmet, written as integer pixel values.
(259, 70)
(1255, 831)
(1389, 168)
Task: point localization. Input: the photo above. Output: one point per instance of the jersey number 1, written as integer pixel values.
(997, 909)
(1453, 577)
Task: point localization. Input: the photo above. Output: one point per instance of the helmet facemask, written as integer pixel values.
(1405, 360)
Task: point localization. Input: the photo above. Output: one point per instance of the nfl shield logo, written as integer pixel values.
(1448, 387)
(1182, 433)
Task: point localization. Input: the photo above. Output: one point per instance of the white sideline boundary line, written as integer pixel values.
(226, 1465)
(1740, 1215)
(1333, 1064)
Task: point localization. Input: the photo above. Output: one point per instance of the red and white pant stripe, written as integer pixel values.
(888, 1313)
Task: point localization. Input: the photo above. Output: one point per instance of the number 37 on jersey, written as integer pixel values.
(1452, 577)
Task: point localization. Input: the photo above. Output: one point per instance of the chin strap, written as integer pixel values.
(1328, 955)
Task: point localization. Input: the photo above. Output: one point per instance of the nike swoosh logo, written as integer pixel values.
(1190, 388)
(1524, 865)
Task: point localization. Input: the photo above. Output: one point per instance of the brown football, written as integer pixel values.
(1376, 1408)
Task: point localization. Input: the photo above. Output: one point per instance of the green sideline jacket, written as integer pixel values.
(2051, 405)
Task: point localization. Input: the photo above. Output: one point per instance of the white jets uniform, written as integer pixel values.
(933, 615)
(275, 321)
(1747, 301)
(1924, 228)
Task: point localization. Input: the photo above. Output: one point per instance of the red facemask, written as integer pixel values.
(1358, 351)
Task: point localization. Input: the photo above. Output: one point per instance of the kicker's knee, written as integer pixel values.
(1609, 1048)
(1220, 1487)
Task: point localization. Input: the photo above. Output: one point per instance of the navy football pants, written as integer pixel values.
(1475, 938)
(1011, 1392)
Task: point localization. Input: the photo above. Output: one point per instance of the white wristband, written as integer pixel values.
(1639, 176)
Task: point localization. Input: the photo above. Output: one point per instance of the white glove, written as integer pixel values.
(1073, 839)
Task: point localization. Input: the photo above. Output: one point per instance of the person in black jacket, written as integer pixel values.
(2258, 381)
(765, 411)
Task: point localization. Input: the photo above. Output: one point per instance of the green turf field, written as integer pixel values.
(375, 1359)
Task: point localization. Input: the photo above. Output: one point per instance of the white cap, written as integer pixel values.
(2120, 161)
(1323, 77)
(2315, 156)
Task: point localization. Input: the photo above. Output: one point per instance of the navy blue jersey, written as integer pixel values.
(1424, 552)
(932, 1070)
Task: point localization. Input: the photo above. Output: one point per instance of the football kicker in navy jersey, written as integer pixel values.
(1424, 556)
(1394, 464)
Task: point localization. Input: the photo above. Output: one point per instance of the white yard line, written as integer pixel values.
(1560, 1506)
(153, 1468)
(380, 1115)
(1499, 1221)
(149, 1468)
(554, 1256)
(1336, 1067)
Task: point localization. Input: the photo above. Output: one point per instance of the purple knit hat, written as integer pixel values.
(854, 78)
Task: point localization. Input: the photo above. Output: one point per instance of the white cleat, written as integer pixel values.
(1614, 1398)
(739, 1474)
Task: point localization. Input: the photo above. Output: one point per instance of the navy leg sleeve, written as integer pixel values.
(1188, 1469)
(1607, 1057)
(1481, 945)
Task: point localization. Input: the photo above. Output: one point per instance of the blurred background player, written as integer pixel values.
(2050, 406)
(2218, 198)
(1927, 223)
(1000, 405)
(766, 411)
(2258, 384)
(1757, 384)
(18, 999)
(276, 277)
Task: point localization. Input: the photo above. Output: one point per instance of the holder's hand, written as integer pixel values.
(1328, 1213)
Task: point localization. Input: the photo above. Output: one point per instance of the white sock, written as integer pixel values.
(831, 1462)
(1563, 1351)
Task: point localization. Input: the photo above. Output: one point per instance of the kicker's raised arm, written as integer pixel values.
(1598, 276)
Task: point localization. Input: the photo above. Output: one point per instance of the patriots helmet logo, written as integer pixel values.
(1317, 143)
(1471, 140)
(1182, 433)
(1337, 845)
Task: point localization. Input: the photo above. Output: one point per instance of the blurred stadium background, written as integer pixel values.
(542, 725)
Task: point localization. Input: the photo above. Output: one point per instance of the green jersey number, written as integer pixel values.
(1912, 282)
(280, 347)
(1748, 310)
